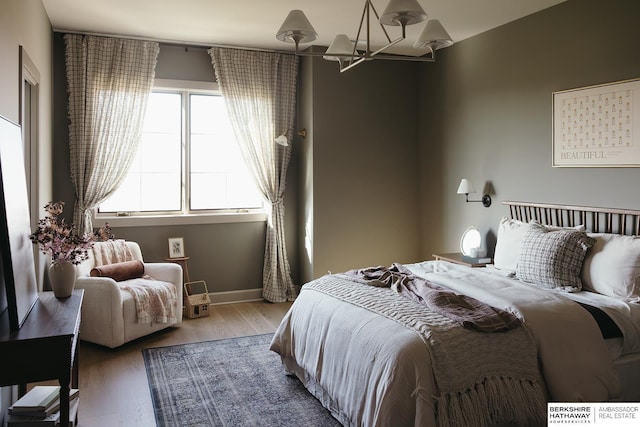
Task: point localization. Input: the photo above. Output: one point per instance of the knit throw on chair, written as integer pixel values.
(111, 251)
(155, 300)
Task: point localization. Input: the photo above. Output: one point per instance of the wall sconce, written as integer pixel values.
(284, 141)
(467, 187)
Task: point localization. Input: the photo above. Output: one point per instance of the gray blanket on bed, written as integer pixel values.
(464, 310)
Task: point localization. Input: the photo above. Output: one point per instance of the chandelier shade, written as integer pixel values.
(341, 48)
(296, 28)
(403, 12)
(434, 36)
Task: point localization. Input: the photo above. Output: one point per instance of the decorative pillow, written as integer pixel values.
(509, 241)
(553, 258)
(120, 271)
(612, 266)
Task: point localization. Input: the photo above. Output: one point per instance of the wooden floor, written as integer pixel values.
(113, 383)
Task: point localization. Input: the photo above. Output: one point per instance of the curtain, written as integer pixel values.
(259, 89)
(109, 81)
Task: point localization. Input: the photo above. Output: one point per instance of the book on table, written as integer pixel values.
(476, 260)
(50, 416)
(52, 420)
(55, 406)
(38, 398)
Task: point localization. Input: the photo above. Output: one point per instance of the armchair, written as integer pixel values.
(109, 314)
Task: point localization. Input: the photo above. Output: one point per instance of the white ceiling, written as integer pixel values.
(253, 23)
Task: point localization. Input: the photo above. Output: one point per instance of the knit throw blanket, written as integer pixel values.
(111, 251)
(155, 300)
(481, 379)
(468, 312)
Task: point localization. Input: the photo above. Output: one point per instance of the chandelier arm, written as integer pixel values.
(362, 18)
(368, 7)
(352, 64)
(384, 29)
(407, 58)
(323, 54)
(389, 58)
(383, 48)
(422, 58)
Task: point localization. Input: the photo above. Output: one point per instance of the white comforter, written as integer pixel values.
(369, 370)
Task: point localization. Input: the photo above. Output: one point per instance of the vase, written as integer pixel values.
(62, 277)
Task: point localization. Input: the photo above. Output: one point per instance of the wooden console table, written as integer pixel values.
(45, 347)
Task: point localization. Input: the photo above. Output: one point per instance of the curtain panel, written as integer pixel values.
(109, 81)
(259, 89)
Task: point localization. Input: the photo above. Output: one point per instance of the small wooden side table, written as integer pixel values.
(456, 258)
(182, 261)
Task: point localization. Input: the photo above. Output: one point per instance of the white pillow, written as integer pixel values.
(612, 266)
(508, 243)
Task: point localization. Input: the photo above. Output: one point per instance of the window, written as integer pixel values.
(188, 161)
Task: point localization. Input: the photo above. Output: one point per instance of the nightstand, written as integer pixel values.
(457, 258)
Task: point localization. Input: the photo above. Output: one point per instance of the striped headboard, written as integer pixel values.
(597, 220)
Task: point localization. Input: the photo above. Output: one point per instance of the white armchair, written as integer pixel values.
(109, 314)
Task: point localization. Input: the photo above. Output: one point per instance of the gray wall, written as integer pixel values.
(486, 114)
(228, 256)
(360, 169)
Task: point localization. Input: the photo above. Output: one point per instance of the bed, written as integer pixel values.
(560, 321)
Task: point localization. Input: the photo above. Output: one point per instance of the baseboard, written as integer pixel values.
(230, 297)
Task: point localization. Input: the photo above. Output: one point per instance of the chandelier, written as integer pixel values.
(297, 29)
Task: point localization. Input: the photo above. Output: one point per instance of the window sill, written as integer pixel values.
(194, 219)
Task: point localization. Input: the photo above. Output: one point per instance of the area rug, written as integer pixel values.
(228, 382)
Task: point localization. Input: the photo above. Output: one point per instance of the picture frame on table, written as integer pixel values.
(176, 247)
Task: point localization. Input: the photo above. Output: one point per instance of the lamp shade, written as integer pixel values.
(340, 48)
(466, 187)
(296, 28)
(282, 140)
(403, 12)
(433, 36)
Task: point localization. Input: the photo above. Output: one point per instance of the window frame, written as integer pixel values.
(185, 216)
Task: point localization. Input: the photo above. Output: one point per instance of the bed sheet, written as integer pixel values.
(625, 314)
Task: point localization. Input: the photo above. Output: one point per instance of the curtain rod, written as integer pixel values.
(173, 42)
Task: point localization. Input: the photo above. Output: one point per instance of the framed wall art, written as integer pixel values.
(597, 126)
(176, 247)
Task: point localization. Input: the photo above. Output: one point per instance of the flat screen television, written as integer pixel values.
(18, 275)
